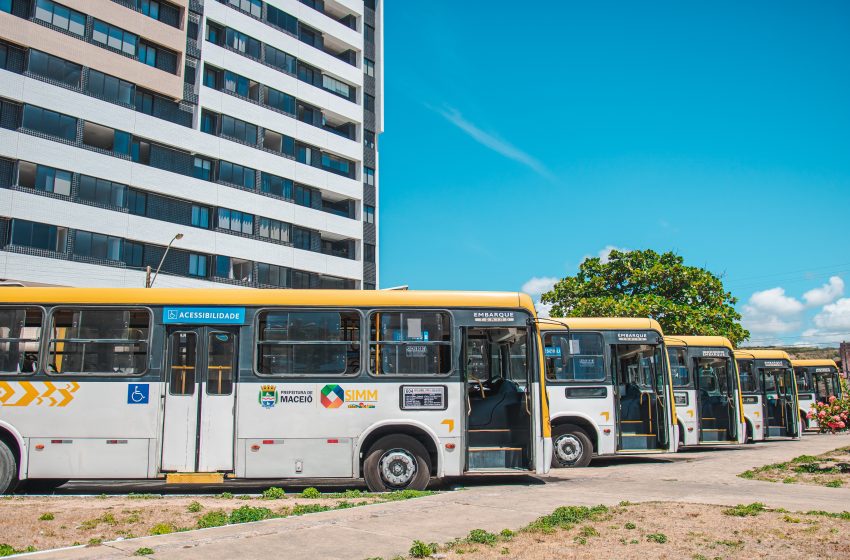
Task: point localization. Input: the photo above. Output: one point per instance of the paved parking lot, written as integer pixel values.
(386, 530)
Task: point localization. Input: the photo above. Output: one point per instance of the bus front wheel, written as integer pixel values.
(397, 462)
(8, 469)
(571, 448)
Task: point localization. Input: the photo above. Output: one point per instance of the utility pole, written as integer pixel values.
(148, 276)
(148, 280)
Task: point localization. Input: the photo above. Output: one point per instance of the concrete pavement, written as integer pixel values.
(388, 529)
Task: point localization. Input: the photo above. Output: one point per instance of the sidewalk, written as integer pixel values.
(386, 530)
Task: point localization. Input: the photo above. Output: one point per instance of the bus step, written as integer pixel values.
(707, 434)
(495, 458)
(776, 431)
(194, 478)
(633, 427)
(639, 441)
(490, 438)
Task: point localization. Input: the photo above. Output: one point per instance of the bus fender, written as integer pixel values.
(365, 436)
(581, 420)
(22, 467)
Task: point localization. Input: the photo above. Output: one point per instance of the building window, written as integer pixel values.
(273, 229)
(369, 67)
(369, 102)
(105, 138)
(39, 236)
(239, 130)
(140, 151)
(368, 286)
(369, 33)
(209, 122)
(280, 60)
(110, 88)
(133, 254)
(54, 68)
(369, 139)
(242, 43)
(281, 19)
(200, 216)
(369, 176)
(50, 122)
(60, 16)
(202, 169)
(301, 238)
(149, 7)
(304, 196)
(335, 86)
(279, 100)
(368, 253)
(276, 185)
(240, 85)
(97, 246)
(253, 7)
(213, 77)
(44, 178)
(369, 214)
(6, 6)
(198, 265)
(137, 202)
(234, 220)
(236, 174)
(114, 37)
(301, 280)
(278, 143)
(234, 269)
(102, 191)
(271, 275)
(337, 165)
(147, 54)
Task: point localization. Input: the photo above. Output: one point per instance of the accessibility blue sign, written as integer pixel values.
(551, 351)
(203, 315)
(138, 393)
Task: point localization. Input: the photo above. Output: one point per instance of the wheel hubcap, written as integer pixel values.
(398, 467)
(568, 448)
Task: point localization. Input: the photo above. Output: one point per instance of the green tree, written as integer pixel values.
(686, 300)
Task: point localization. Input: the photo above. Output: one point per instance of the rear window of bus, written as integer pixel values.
(20, 335)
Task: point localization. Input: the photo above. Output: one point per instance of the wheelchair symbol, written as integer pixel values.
(138, 394)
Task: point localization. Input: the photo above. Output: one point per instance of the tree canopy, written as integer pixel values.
(685, 300)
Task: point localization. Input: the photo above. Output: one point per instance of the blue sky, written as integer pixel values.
(516, 144)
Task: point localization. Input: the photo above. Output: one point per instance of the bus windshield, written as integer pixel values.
(804, 381)
(714, 375)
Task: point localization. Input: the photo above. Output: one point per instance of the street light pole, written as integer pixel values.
(148, 280)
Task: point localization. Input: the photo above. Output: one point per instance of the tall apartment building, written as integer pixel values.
(243, 131)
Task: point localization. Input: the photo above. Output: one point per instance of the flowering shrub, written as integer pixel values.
(832, 416)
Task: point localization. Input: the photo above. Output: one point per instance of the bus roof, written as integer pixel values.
(599, 323)
(702, 341)
(814, 363)
(219, 296)
(744, 353)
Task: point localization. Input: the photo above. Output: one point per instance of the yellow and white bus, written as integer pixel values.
(706, 389)
(817, 380)
(769, 392)
(609, 388)
(206, 384)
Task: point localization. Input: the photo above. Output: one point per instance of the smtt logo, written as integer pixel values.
(332, 396)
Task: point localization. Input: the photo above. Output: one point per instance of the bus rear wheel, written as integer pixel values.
(8, 469)
(397, 462)
(571, 448)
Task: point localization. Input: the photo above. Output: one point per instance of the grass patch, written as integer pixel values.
(194, 507)
(212, 519)
(144, 551)
(659, 538)
(745, 510)
(8, 550)
(46, 517)
(248, 514)
(567, 516)
(274, 493)
(311, 493)
(480, 536)
(162, 529)
(421, 549)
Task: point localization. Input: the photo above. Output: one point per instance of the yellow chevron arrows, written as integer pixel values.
(29, 394)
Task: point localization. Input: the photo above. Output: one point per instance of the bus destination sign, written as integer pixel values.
(203, 315)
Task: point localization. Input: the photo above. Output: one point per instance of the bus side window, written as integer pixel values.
(20, 334)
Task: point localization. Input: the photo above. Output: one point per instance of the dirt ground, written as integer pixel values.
(662, 530)
(43, 522)
(831, 469)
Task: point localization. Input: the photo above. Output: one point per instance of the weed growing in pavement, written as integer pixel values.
(144, 551)
(194, 507)
(630, 525)
(480, 536)
(745, 510)
(659, 538)
(311, 493)
(215, 518)
(421, 549)
(274, 493)
(845, 515)
(134, 496)
(587, 531)
(788, 519)
(95, 542)
(406, 495)
(106, 518)
(789, 480)
(834, 484)
(566, 517)
(507, 534)
(46, 517)
(162, 529)
(225, 496)
(301, 509)
(9, 550)
(247, 514)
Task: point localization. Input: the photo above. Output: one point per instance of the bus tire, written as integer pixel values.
(8, 469)
(571, 448)
(397, 462)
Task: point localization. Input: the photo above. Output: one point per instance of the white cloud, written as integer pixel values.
(834, 317)
(772, 312)
(543, 309)
(605, 254)
(827, 293)
(774, 301)
(495, 143)
(538, 285)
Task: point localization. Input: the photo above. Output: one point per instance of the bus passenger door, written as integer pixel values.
(198, 424)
